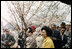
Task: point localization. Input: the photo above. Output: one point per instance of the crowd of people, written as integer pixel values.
(37, 37)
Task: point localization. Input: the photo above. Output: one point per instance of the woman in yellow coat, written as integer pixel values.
(46, 33)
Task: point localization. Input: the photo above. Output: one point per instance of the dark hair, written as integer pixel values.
(63, 24)
(57, 27)
(54, 25)
(63, 28)
(30, 30)
(6, 30)
(48, 30)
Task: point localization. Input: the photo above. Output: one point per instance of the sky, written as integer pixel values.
(4, 13)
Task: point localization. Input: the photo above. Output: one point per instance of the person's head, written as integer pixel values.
(46, 31)
(53, 27)
(63, 24)
(3, 30)
(59, 27)
(7, 31)
(29, 31)
(63, 30)
(67, 27)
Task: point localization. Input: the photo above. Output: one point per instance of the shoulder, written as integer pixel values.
(65, 36)
(39, 38)
(57, 32)
(10, 35)
(2, 34)
(48, 40)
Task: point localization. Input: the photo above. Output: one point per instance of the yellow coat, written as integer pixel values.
(48, 43)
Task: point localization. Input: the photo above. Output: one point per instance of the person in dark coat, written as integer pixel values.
(9, 40)
(21, 38)
(63, 37)
(68, 34)
(3, 36)
(55, 36)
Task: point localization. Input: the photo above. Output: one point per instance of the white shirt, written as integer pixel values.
(62, 35)
(28, 42)
(39, 41)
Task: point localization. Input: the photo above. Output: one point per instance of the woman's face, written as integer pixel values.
(28, 33)
(44, 33)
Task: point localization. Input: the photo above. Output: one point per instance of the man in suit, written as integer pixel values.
(21, 39)
(68, 34)
(55, 36)
(63, 37)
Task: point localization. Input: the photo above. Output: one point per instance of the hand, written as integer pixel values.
(54, 38)
(9, 43)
